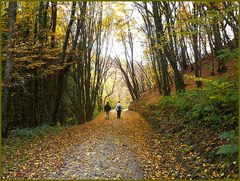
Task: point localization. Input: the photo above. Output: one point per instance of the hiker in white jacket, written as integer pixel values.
(119, 109)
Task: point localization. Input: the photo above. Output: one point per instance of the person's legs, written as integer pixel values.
(107, 114)
(118, 114)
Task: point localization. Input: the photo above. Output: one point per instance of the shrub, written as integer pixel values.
(228, 149)
(215, 104)
(71, 121)
(226, 54)
(232, 147)
(36, 132)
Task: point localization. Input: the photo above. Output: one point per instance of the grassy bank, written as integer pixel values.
(204, 122)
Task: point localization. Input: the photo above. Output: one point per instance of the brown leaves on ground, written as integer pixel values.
(98, 149)
(103, 155)
(38, 157)
(155, 154)
(109, 149)
(192, 147)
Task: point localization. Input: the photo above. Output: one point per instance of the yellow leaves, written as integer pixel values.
(184, 12)
(209, 79)
(36, 64)
(112, 149)
(120, 7)
(107, 22)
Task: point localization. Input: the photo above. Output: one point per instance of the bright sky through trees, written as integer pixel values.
(63, 60)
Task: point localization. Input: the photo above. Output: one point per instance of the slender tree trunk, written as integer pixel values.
(45, 21)
(217, 41)
(163, 62)
(196, 48)
(212, 53)
(41, 33)
(8, 71)
(170, 51)
(183, 55)
(59, 90)
(54, 23)
(154, 56)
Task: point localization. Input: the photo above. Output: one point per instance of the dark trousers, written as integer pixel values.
(119, 114)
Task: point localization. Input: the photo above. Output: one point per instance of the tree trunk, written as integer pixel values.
(183, 55)
(54, 24)
(195, 45)
(217, 41)
(8, 71)
(163, 62)
(59, 90)
(170, 51)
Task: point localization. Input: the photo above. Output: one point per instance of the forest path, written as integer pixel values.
(108, 153)
(128, 148)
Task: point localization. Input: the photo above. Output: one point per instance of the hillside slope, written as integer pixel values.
(152, 96)
(202, 123)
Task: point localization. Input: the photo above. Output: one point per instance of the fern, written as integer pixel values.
(226, 54)
(228, 135)
(228, 149)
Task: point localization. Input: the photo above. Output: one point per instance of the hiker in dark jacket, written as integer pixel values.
(119, 109)
(107, 109)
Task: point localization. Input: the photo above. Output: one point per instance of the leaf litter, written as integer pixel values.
(128, 148)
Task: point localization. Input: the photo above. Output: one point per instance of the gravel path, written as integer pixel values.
(105, 155)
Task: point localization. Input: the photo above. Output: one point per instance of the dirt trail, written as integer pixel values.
(107, 154)
(100, 149)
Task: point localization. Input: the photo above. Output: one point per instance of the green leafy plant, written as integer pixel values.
(71, 121)
(226, 54)
(228, 149)
(229, 135)
(36, 132)
(232, 147)
(216, 104)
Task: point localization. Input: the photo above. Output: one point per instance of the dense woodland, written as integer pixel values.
(57, 55)
(174, 63)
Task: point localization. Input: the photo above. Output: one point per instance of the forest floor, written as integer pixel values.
(195, 143)
(106, 154)
(153, 96)
(106, 149)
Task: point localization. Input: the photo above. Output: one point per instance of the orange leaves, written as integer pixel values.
(186, 149)
(113, 149)
(36, 65)
(155, 155)
(37, 156)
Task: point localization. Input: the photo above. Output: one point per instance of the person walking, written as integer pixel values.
(107, 109)
(119, 109)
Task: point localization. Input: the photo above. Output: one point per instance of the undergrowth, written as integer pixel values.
(20, 139)
(216, 104)
(204, 124)
(36, 132)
